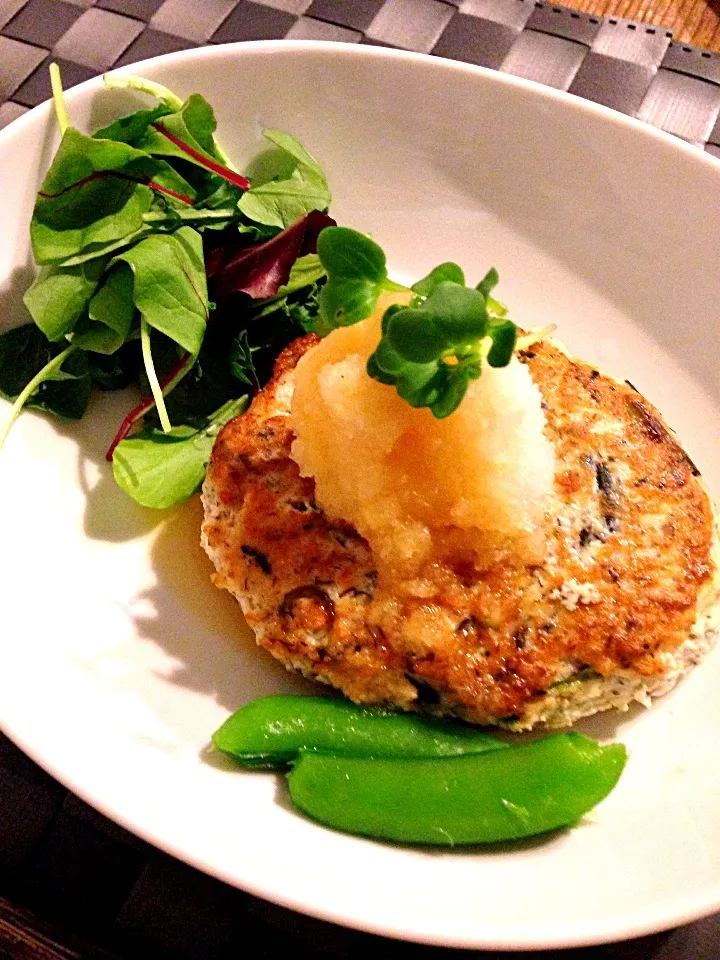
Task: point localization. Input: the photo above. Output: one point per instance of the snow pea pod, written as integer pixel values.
(499, 795)
(271, 731)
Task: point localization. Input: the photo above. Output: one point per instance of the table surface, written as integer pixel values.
(691, 21)
(73, 884)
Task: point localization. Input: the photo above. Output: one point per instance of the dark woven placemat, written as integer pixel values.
(96, 887)
(629, 66)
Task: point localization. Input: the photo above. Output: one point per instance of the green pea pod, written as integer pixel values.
(271, 731)
(501, 795)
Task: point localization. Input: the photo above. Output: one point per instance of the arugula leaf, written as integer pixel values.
(169, 286)
(60, 295)
(294, 149)
(218, 194)
(242, 365)
(279, 201)
(95, 192)
(303, 311)
(110, 314)
(160, 470)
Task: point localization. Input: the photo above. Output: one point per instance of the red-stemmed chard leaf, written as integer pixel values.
(260, 270)
(101, 174)
(235, 178)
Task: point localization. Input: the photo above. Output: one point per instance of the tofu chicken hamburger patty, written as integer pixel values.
(624, 601)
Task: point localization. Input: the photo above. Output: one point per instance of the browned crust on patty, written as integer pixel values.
(629, 561)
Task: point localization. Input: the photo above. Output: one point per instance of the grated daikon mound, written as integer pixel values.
(412, 484)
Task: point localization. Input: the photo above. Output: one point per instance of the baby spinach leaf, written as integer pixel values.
(60, 295)
(95, 192)
(161, 469)
(117, 370)
(67, 392)
(169, 286)
(24, 353)
(110, 314)
(280, 201)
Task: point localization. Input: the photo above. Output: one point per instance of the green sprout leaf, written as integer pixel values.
(504, 338)
(430, 350)
(451, 317)
(488, 282)
(356, 270)
(443, 272)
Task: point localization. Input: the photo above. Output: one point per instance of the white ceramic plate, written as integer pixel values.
(117, 656)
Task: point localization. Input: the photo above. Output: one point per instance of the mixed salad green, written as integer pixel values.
(163, 267)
